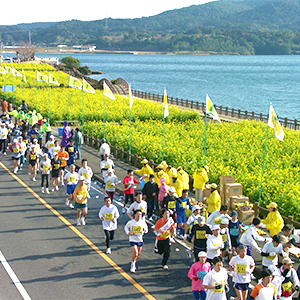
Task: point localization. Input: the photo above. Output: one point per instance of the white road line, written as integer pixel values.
(14, 277)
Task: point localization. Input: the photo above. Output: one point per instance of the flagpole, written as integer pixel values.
(163, 145)
(103, 116)
(49, 102)
(13, 90)
(205, 139)
(130, 133)
(5, 85)
(37, 95)
(82, 111)
(69, 103)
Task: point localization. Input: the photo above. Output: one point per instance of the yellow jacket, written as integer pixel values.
(273, 222)
(213, 202)
(200, 179)
(185, 179)
(178, 186)
(146, 169)
(159, 175)
(172, 172)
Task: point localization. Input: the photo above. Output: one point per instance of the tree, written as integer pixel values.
(71, 62)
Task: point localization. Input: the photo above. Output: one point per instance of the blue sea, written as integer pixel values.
(241, 82)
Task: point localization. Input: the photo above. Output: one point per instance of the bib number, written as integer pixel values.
(85, 175)
(16, 150)
(201, 274)
(137, 229)
(219, 287)
(71, 149)
(200, 234)
(224, 238)
(109, 216)
(71, 178)
(171, 204)
(241, 269)
(46, 168)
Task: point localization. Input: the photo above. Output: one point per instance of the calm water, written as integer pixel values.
(245, 82)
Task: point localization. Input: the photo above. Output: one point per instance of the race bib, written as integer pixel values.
(183, 204)
(241, 269)
(3, 135)
(107, 166)
(33, 156)
(109, 216)
(201, 274)
(217, 220)
(287, 287)
(16, 150)
(26, 142)
(200, 234)
(46, 167)
(109, 185)
(36, 149)
(56, 166)
(71, 178)
(271, 257)
(22, 148)
(165, 235)
(51, 145)
(215, 245)
(224, 238)
(219, 289)
(171, 204)
(137, 229)
(33, 136)
(141, 209)
(79, 197)
(85, 175)
(71, 149)
(56, 150)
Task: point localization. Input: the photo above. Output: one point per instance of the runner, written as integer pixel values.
(197, 273)
(129, 186)
(241, 267)
(235, 228)
(200, 232)
(80, 195)
(71, 179)
(164, 229)
(150, 194)
(50, 144)
(110, 180)
(182, 204)
(54, 149)
(136, 228)
(217, 216)
(216, 281)
(33, 133)
(87, 173)
(140, 204)
(32, 156)
(15, 148)
(196, 209)
(22, 152)
(109, 215)
(224, 231)
(45, 166)
(169, 202)
(56, 164)
(64, 156)
(38, 152)
(214, 244)
(72, 150)
(3, 139)
(106, 164)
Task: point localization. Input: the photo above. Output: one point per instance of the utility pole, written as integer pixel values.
(29, 38)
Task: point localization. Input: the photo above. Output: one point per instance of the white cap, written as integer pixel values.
(15, 140)
(172, 189)
(201, 220)
(225, 221)
(202, 254)
(195, 207)
(51, 136)
(110, 170)
(35, 140)
(215, 227)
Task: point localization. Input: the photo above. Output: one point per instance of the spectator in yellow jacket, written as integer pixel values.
(184, 177)
(176, 182)
(146, 170)
(200, 179)
(160, 173)
(273, 221)
(214, 200)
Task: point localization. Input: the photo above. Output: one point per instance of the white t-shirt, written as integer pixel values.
(23, 148)
(109, 164)
(108, 180)
(72, 178)
(3, 133)
(250, 236)
(104, 149)
(214, 246)
(216, 218)
(86, 173)
(49, 145)
(192, 218)
(136, 205)
(138, 228)
(216, 278)
(36, 148)
(45, 166)
(54, 149)
(109, 213)
(271, 260)
(241, 268)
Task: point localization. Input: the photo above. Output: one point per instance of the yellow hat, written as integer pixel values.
(179, 168)
(144, 161)
(214, 186)
(272, 205)
(160, 166)
(206, 168)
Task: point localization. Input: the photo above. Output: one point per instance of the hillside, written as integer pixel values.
(243, 27)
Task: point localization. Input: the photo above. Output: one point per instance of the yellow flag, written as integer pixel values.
(87, 87)
(107, 92)
(274, 123)
(210, 109)
(52, 79)
(166, 111)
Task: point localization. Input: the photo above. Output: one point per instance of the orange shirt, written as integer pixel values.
(159, 224)
(80, 194)
(62, 155)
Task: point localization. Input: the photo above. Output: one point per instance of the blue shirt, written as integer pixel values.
(72, 151)
(179, 208)
(234, 228)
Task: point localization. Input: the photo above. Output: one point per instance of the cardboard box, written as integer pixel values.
(232, 189)
(223, 181)
(207, 193)
(247, 216)
(236, 200)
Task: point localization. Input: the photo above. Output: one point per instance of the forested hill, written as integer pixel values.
(244, 27)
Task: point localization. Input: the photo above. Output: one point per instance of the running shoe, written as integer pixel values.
(62, 184)
(29, 173)
(132, 268)
(172, 240)
(82, 221)
(4, 153)
(108, 251)
(20, 168)
(43, 190)
(67, 202)
(57, 188)
(78, 222)
(71, 205)
(47, 191)
(123, 210)
(15, 171)
(165, 267)
(33, 179)
(53, 189)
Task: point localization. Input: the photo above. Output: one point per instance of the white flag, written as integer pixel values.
(107, 92)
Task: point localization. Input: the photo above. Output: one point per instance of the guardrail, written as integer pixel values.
(222, 111)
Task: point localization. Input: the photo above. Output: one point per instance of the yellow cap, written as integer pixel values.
(179, 168)
(214, 186)
(160, 166)
(144, 161)
(272, 205)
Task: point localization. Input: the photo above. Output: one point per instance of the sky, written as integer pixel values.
(59, 10)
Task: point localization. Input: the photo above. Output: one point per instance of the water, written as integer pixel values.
(242, 82)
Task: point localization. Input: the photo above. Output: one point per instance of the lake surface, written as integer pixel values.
(242, 82)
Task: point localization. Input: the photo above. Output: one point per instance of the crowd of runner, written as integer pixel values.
(216, 235)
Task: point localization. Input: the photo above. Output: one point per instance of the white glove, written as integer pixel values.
(185, 236)
(272, 254)
(267, 240)
(204, 199)
(233, 273)
(249, 271)
(186, 207)
(262, 225)
(284, 254)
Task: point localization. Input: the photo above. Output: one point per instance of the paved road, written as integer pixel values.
(53, 259)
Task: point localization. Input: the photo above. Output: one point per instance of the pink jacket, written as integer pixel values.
(198, 270)
(163, 189)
